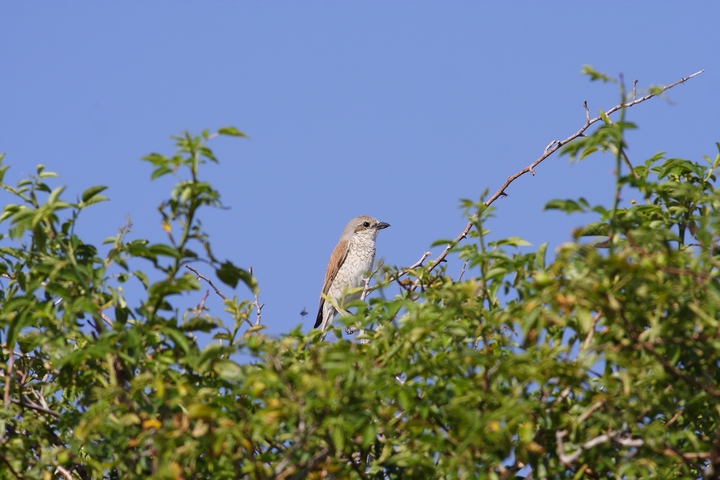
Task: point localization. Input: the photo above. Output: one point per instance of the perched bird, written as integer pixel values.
(349, 263)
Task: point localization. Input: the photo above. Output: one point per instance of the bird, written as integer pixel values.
(350, 261)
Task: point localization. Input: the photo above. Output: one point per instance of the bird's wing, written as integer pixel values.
(336, 260)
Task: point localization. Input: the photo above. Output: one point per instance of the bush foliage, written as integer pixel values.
(602, 362)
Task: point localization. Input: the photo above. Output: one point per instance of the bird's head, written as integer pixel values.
(363, 225)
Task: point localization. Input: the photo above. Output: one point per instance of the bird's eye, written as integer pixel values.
(366, 224)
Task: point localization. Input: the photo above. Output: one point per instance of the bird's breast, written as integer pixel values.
(358, 263)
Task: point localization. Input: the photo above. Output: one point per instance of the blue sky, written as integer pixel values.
(390, 109)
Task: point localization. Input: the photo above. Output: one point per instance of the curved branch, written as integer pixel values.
(553, 147)
(219, 293)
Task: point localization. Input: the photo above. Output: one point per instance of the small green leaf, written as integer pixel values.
(656, 89)
(567, 206)
(232, 131)
(441, 242)
(595, 75)
(540, 255)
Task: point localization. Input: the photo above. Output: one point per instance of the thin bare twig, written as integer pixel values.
(687, 460)
(414, 265)
(569, 459)
(25, 402)
(201, 305)
(408, 270)
(64, 472)
(258, 307)
(674, 418)
(366, 291)
(9, 465)
(552, 148)
(462, 270)
(591, 332)
(595, 406)
(366, 286)
(207, 280)
(40, 397)
(563, 395)
(106, 319)
(396, 278)
(696, 455)
(550, 145)
(629, 164)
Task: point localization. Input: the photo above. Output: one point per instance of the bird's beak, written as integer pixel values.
(382, 225)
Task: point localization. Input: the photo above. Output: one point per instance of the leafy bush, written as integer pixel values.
(600, 363)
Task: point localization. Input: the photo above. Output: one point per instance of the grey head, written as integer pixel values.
(362, 224)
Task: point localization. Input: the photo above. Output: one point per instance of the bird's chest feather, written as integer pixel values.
(359, 259)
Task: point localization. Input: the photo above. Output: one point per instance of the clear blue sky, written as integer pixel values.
(390, 109)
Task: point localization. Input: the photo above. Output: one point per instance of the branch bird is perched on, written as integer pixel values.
(349, 263)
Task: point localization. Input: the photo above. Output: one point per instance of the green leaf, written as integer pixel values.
(178, 338)
(229, 274)
(47, 174)
(140, 275)
(595, 75)
(121, 315)
(441, 242)
(197, 324)
(91, 192)
(232, 131)
(3, 169)
(595, 229)
(164, 250)
(513, 241)
(228, 370)
(540, 255)
(21, 319)
(656, 89)
(567, 206)
(55, 194)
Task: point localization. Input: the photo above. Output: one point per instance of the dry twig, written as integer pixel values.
(569, 459)
(553, 147)
(258, 306)
(207, 280)
(26, 402)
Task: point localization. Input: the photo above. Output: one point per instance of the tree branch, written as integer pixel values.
(9, 465)
(25, 402)
(207, 280)
(64, 472)
(669, 367)
(569, 459)
(553, 147)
